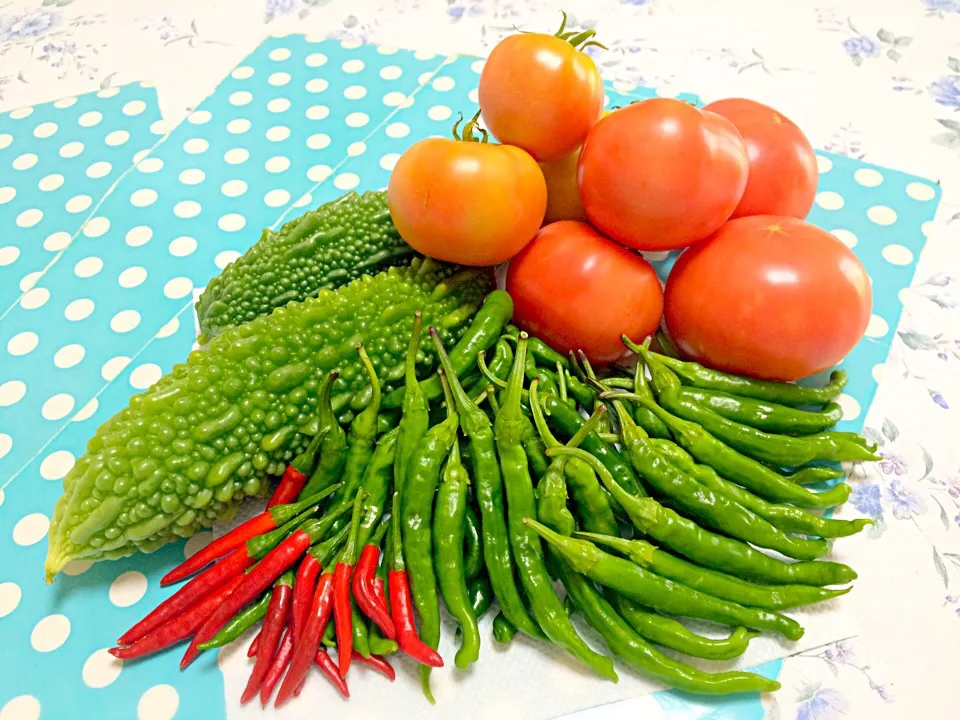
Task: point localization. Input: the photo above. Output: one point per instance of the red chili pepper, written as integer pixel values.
(255, 645)
(296, 474)
(380, 593)
(401, 609)
(342, 607)
(365, 594)
(378, 663)
(255, 582)
(273, 624)
(279, 664)
(262, 523)
(180, 628)
(303, 589)
(190, 594)
(305, 646)
(329, 668)
(401, 603)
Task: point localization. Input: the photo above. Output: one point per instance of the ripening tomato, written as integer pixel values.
(469, 203)
(578, 290)
(783, 168)
(540, 93)
(660, 174)
(769, 297)
(563, 195)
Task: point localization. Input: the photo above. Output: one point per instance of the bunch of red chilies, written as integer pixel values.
(256, 560)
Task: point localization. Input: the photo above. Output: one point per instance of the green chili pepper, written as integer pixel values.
(712, 582)
(651, 424)
(658, 593)
(786, 517)
(593, 507)
(361, 638)
(360, 441)
(387, 421)
(472, 545)
(333, 450)
(241, 622)
(632, 649)
(745, 471)
(815, 474)
(537, 349)
(763, 415)
(423, 476)
(415, 417)
(376, 485)
(527, 549)
(718, 510)
(709, 549)
(673, 634)
(503, 630)
(488, 487)
(779, 392)
(480, 593)
(780, 450)
(448, 533)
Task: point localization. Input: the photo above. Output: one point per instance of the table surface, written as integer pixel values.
(879, 81)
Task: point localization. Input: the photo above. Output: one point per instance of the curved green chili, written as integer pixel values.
(771, 417)
(673, 634)
(415, 418)
(713, 582)
(546, 606)
(448, 533)
(376, 485)
(504, 631)
(709, 549)
(786, 517)
(488, 488)
(333, 449)
(241, 622)
(472, 545)
(627, 578)
(632, 649)
(718, 510)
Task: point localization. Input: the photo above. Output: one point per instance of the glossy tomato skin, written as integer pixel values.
(660, 174)
(541, 94)
(576, 289)
(783, 167)
(769, 297)
(563, 194)
(466, 202)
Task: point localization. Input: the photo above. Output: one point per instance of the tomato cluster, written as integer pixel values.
(571, 192)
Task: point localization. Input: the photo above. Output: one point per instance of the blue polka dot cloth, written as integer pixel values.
(107, 228)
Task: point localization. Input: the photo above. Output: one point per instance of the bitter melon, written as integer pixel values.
(186, 452)
(321, 250)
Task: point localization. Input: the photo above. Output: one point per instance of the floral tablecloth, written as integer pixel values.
(879, 81)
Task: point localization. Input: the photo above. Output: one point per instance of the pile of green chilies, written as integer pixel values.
(658, 506)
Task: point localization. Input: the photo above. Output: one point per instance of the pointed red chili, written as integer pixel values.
(262, 523)
(254, 645)
(380, 593)
(303, 589)
(295, 476)
(329, 668)
(190, 594)
(378, 663)
(277, 666)
(363, 589)
(178, 629)
(342, 607)
(307, 643)
(273, 625)
(255, 582)
(401, 603)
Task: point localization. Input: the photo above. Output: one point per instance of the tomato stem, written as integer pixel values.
(581, 40)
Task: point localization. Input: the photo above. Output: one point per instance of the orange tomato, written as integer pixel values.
(563, 195)
(470, 203)
(783, 167)
(540, 93)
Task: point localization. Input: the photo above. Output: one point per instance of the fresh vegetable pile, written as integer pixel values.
(554, 469)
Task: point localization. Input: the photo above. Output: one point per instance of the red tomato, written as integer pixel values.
(466, 202)
(783, 168)
(660, 174)
(770, 297)
(540, 93)
(577, 290)
(563, 195)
